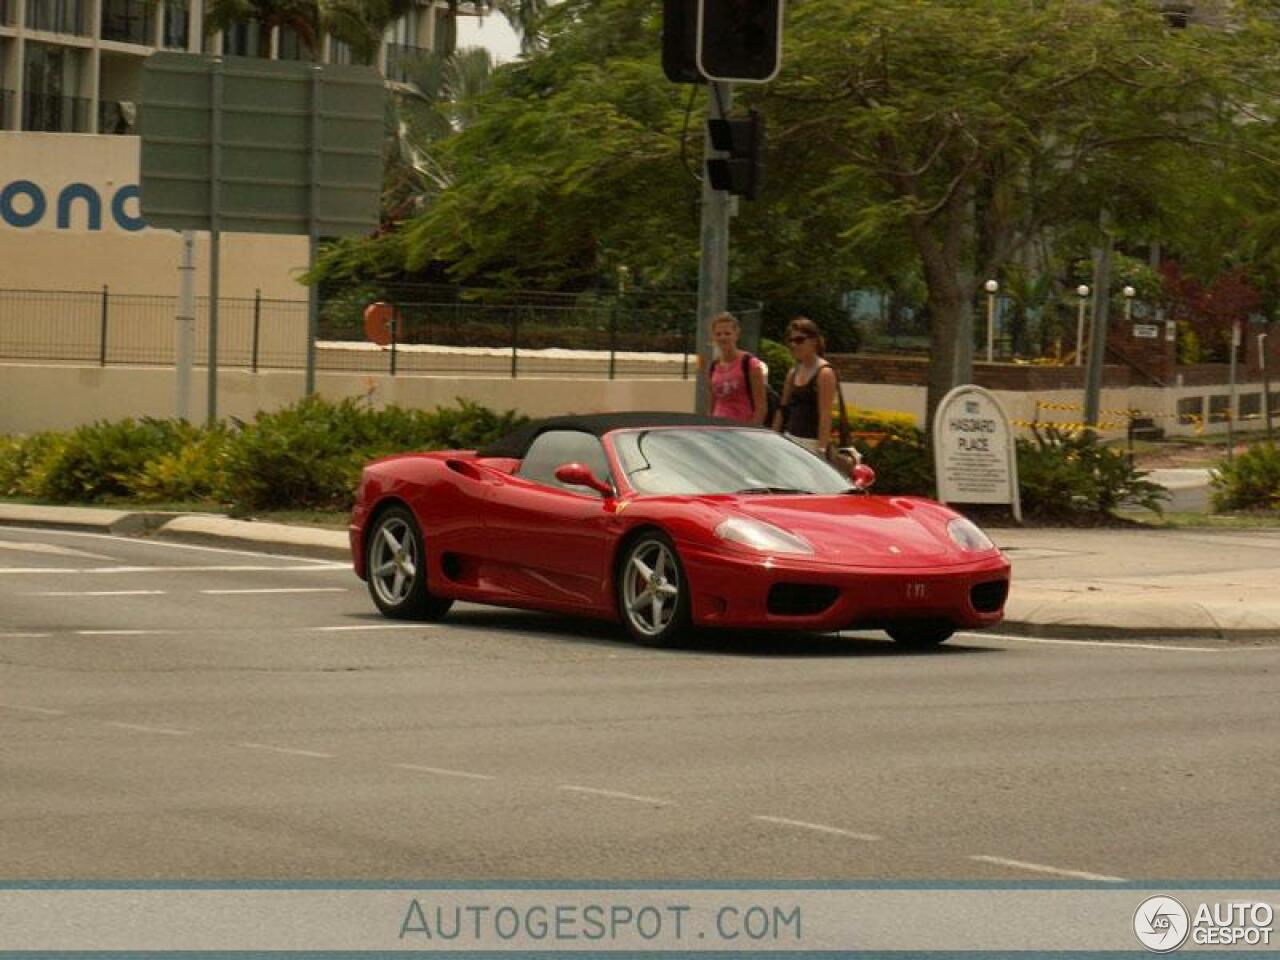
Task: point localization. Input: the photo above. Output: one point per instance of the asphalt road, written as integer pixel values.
(177, 712)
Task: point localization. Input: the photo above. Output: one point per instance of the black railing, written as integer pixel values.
(54, 114)
(629, 337)
(127, 21)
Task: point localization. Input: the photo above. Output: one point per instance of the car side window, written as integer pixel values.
(554, 448)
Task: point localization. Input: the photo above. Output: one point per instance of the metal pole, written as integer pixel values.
(102, 339)
(515, 340)
(991, 320)
(257, 322)
(313, 229)
(713, 264)
(1098, 326)
(394, 326)
(186, 323)
(1266, 385)
(215, 172)
(1231, 398)
(1080, 331)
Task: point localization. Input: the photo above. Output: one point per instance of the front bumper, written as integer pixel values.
(730, 590)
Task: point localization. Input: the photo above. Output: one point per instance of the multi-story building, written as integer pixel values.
(75, 66)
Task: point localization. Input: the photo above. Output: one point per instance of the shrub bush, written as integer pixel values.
(1250, 481)
(1065, 476)
(105, 459)
(195, 472)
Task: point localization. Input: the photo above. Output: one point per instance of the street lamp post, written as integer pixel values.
(991, 286)
(1082, 292)
(1129, 294)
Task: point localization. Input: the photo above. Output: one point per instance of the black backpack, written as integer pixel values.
(771, 399)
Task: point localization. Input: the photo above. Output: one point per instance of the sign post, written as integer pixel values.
(974, 451)
(240, 144)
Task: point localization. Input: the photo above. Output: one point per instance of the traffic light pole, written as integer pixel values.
(713, 264)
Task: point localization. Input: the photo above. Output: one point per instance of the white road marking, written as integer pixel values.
(119, 633)
(96, 593)
(443, 772)
(23, 636)
(819, 827)
(215, 568)
(169, 545)
(53, 549)
(615, 794)
(143, 728)
(1123, 644)
(1055, 871)
(44, 711)
(369, 626)
(278, 590)
(289, 750)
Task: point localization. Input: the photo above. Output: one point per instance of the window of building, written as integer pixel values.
(57, 16)
(177, 24)
(557, 447)
(339, 52)
(291, 46)
(243, 40)
(127, 21)
(52, 77)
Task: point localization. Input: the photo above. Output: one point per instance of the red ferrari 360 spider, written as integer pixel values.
(663, 521)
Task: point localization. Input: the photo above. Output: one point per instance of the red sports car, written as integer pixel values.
(662, 521)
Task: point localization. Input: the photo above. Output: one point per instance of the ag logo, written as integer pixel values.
(1161, 924)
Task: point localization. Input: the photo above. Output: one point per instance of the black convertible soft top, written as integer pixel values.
(516, 443)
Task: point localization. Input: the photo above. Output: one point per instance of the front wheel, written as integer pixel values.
(397, 569)
(921, 635)
(653, 596)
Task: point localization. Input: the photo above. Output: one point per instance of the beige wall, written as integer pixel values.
(37, 397)
(42, 397)
(44, 257)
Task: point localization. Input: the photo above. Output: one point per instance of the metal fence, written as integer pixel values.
(642, 336)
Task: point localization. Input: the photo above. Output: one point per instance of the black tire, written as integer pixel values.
(396, 568)
(651, 590)
(921, 636)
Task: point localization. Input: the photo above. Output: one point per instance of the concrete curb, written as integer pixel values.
(256, 535)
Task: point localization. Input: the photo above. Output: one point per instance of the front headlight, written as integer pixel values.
(968, 536)
(761, 536)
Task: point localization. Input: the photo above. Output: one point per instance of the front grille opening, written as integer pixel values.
(451, 564)
(800, 599)
(990, 596)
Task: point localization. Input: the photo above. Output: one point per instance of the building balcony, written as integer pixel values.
(57, 16)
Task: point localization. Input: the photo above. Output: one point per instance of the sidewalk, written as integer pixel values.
(1105, 584)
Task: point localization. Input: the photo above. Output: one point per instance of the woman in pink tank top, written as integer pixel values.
(734, 395)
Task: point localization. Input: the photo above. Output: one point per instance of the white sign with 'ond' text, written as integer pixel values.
(974, 451)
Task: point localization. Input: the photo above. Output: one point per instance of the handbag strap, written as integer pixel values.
(843, 425)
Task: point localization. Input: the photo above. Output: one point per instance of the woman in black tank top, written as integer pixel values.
(805, 414)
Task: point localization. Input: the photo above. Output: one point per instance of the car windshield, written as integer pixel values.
(711, 461)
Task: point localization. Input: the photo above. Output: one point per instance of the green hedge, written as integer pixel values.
(1250, 481)
(308, 455)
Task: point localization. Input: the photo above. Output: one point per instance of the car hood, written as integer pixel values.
(863, 530)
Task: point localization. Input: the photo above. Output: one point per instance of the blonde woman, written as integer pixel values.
(810, 390)
(736, 380)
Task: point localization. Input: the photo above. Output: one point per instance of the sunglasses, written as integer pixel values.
(796, 341)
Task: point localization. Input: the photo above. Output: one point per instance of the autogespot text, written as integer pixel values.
(551, 923)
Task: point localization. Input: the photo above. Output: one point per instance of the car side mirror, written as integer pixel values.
(863, 477)
(580, 475)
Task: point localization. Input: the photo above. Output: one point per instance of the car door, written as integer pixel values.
(547, 540)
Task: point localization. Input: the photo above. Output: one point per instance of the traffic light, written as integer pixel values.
(739, 40)
(680, 41)
(742, 171)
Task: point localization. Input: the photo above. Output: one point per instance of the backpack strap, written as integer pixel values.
(746, 378)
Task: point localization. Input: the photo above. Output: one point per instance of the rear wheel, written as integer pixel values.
(653, 596)
(397, 569)
(921, 635)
